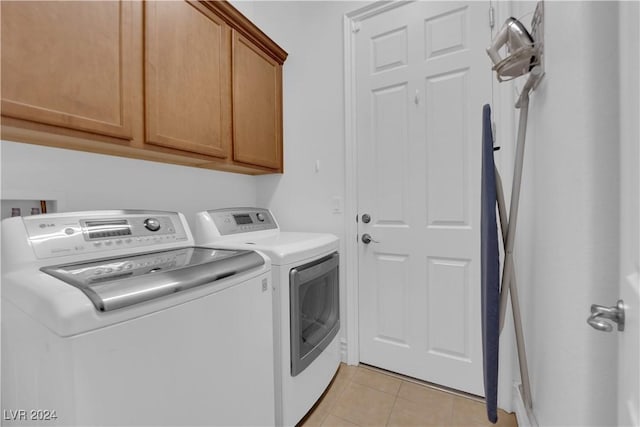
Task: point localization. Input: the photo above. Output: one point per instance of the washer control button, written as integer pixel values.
(260, 216)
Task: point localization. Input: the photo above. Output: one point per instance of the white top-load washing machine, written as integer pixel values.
(306, 300)
(116, 318)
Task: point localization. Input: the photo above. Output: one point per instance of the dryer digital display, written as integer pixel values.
(243, 219)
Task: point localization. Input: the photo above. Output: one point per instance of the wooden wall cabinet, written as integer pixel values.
(186, 82)
(70, 64)
(187, 78)
(257, 105)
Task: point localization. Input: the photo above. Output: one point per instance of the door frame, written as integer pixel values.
(351, 25)
(629, 195)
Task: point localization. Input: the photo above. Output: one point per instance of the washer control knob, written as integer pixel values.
(260, 216)
(152, 224)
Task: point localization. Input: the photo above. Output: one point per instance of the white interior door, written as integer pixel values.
(629, 340)
(422, 76)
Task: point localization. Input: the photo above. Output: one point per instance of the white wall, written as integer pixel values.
(303, 198)
(567, 242)
(85, 181)
(311, 32)
(245, 7)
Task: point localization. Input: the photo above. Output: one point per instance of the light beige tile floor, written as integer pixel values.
(363, 396)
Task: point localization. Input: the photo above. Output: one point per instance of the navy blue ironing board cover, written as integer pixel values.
(490, 267)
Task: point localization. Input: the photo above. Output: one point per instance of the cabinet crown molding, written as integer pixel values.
(248, 29)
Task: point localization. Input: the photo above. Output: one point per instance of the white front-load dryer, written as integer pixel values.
(116, 318)
(305, 270)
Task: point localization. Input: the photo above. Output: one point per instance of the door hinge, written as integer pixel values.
(493, 132)
(492, 17)
(355, 26)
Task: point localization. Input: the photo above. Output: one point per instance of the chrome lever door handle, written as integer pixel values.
(597, 323)
(366, 239)
(600, 312)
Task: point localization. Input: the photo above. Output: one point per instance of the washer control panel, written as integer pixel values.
(242, 220)
(84, 232)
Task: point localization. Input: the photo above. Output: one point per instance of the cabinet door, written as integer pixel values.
(69, 64)
(188, 78)
(257, 105)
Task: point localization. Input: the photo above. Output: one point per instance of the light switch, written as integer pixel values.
(336, 203)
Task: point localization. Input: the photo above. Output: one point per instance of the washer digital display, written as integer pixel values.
(101, 229)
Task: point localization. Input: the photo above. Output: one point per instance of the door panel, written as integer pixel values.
(448, 283)
(421, 83)
(447, 168)
(390, 50)
(392, 295)
(446, 33)
(390, 123)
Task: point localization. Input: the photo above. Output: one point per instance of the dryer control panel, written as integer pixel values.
(242, 220)
(63, 234)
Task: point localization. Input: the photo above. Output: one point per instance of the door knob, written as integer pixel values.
(366, 239)
(366, 218)
(599, 313)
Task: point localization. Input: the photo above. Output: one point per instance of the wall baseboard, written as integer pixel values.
(525, 417)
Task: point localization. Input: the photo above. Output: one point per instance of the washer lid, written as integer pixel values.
(114, 283)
